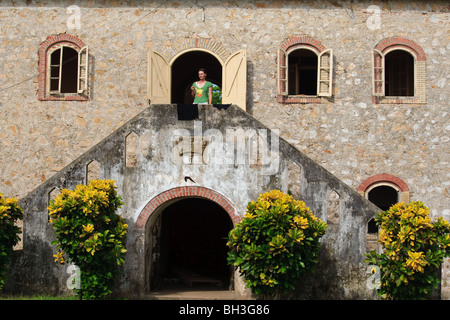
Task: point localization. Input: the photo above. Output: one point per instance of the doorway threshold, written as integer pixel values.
(199, 292)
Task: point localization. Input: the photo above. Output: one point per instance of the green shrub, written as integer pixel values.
(91, 234)
(275, 243)
(10, 212)
(217, 94)
(413, 249)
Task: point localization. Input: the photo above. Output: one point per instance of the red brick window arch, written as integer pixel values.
(63, 68)
(398, 72)
(183, 192)
(388, 181)
(383, 190)
(305, 71)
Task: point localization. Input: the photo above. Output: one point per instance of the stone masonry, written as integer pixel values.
(351, 134)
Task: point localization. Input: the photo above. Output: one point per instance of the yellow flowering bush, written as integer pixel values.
(10, 212)
(413, 250)
(90, 234)
(275, 243)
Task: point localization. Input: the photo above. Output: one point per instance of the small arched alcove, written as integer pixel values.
(187, 246)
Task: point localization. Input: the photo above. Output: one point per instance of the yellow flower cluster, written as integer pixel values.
(90, 198)
(405, 229)
(301, 222)
(268, 281)
(59, 256)
(416, 261)
(275, 195)
(410, 219)
(88, 228)
(5, 206)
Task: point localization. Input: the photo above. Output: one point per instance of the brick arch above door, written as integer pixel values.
(186, 192)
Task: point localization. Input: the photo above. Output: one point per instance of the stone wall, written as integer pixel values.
(148, 185)
(349, 134)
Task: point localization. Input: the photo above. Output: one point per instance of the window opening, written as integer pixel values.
(64, 70)
(333, 208)
(131, 150)
(185, 72)
(302, 72)
(399, 73)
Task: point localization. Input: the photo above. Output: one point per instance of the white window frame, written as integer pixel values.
(383, 73)
(322, 69)
(82, 70)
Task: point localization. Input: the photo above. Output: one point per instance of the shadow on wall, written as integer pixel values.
(32, 271)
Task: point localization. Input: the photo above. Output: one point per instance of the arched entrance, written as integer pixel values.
(185, 232)
(169, 71)
(184, 73)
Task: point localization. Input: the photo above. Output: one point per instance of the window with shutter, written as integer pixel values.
(63, 69)
(398, 74)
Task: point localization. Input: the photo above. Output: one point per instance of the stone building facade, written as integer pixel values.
(372, 133)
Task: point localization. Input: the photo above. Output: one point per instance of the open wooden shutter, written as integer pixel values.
(325, 73)
(234, 79)
(158, 87)
(83, 71)
(54, 73)
(282, 73)
(378, 74)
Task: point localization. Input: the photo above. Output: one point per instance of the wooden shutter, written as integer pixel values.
(325, 73)
(378, 86)
(282, 73)
(234, 79)
(158, 86)
(83, 71)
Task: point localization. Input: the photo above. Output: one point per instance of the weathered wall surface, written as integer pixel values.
(348, 134)
(341, 273)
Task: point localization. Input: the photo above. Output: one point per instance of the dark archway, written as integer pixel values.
(185, 72)
(383, 197)
(399, 73)
(192, 247)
